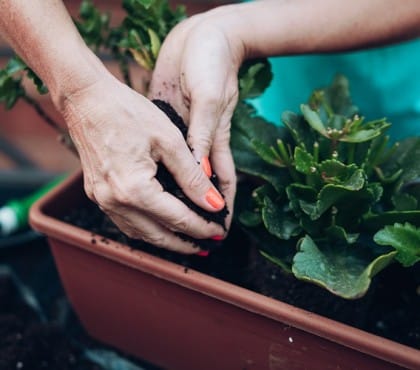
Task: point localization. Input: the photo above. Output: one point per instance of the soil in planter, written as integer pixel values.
(390, 309)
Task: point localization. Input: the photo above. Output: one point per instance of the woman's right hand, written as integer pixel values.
(121, 136)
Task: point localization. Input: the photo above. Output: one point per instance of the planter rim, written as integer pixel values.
(338, 332)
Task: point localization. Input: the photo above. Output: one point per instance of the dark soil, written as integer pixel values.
(390, 309)
(27, 343)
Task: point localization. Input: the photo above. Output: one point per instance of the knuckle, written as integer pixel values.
(158, 240)
(212, 99)
(89, 192)
(127, 194)
(103, 196)
(196, 179)
(171, 144)
(202, 140)
(181, 224)
(232, 94)
(128, 231)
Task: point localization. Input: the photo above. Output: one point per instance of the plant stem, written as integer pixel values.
(63, 134)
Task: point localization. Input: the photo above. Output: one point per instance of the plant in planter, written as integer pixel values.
(338, 202)
(294, 205)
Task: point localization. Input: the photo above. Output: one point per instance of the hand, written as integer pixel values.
(120, 136)
(196, 73)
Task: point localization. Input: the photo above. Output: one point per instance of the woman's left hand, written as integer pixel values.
(196, 73)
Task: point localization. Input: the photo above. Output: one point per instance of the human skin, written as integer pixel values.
(119, 134)
(201, 56)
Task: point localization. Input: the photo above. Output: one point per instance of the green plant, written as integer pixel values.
(333, 202)
(137, 38)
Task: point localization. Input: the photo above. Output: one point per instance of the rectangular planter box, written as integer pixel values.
(183, 319)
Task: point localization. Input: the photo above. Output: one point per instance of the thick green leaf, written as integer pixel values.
(412, 188)
(405, 239)
(405, 202)
(340, 197)
(375, 222)
(314, 120)
(368, 132)
(248, 162)
(253, 78)
(155, 42)
(250, 219)
(299, 195)
(304, 161)
(14, 65)
(336, 232)
(267, 153)
(11, 90)
(40, 86)
(346, 271)
(278, 222)
(299, 130)
(262, 192)
(246, 129)
(336, 172)
(406, 157)
(334, 98)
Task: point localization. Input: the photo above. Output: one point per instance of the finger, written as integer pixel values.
(180, 218)
(178, 159)
(224, 167)
(143, 193)
(204, 120)
(138, 226)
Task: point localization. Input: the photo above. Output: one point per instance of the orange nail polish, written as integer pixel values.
(205, 164)
(214, 199)
(217, 237)
(203, 253)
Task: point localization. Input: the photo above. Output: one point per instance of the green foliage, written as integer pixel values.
(405, 239)
(11, 88)
(138, 37)
(329, 183)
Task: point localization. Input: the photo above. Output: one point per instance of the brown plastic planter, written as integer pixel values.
(182, 320)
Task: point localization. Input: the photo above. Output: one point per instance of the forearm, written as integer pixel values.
(43, 34)
(274, 27)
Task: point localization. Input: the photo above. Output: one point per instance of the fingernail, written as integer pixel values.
(205, 165)
(214, 199)
(203, 253)
(217, 237)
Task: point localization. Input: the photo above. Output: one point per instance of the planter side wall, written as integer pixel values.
(178, 328)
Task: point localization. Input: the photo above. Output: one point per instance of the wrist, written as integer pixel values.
(76, 71)
(225, 19)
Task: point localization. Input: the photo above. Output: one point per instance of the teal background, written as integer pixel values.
(384, 82)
